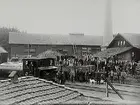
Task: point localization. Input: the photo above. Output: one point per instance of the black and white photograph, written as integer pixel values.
(69, 52)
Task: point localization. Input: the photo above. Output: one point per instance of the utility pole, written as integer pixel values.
(107, 93)
(28, 50)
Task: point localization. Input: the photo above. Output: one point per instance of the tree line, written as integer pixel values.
(4, 36)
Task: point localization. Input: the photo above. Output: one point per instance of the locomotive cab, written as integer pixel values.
(40, 67)
(30, 66)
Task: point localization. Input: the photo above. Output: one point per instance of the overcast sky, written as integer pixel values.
(69, 16)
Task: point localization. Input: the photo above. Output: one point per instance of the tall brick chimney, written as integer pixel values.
(108, 32)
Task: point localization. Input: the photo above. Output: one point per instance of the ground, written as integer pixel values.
(130, 93)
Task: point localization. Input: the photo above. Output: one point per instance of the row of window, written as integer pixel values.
(88, 49)
(121, 43)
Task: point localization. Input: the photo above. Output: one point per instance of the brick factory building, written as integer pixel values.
(33, 44)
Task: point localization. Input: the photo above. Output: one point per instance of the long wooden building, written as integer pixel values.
(73, 44)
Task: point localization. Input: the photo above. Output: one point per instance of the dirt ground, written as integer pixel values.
(131, 94)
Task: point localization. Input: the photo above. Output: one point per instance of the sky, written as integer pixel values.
(69, 16)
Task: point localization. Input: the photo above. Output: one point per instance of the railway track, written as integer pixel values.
(127, 85)
(99, 89)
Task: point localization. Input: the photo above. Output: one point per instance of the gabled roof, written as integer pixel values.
(24, 38)
(31, 90)
(133, 39)
(111, 52)
(2, 50)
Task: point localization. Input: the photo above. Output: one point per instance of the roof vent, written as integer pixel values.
(77, 34)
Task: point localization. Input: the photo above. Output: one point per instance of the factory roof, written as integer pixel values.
(55, 39)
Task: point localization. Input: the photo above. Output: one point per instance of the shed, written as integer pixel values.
(3, 55)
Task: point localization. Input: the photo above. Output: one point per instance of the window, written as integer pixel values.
(118, 43)
(84, 48)
(51, 62)
(123, 42)
(133, 54)
(89, 49)
(31, 50)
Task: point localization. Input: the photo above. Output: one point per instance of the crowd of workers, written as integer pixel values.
(73, 69)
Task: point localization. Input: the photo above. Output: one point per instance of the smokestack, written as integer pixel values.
(108, 33)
